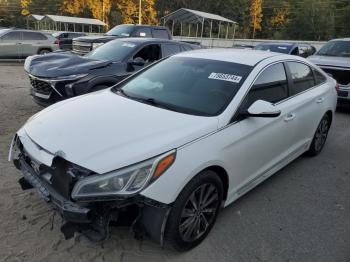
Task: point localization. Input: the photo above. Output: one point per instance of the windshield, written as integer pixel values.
(113, 51)
(285, 49)
(336, 48)
(188, 85)
(121, 30)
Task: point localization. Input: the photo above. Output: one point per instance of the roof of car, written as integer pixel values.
(152, 26)
(279, 44)
(341, 39)
(240, 56)
(137, 40)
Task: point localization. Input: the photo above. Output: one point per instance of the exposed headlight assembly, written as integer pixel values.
(125, 181)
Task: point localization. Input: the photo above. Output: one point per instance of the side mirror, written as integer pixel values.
(138, 61)
(262, 108)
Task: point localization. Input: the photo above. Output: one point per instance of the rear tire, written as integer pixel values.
(195, 211)
(44, 51)
(320, 136)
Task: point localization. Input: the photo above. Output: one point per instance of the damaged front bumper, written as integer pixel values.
(91, 218)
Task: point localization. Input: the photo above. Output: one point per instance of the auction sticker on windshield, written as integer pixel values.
(225, 77)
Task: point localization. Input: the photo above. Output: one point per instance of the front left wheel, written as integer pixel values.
(195, 211)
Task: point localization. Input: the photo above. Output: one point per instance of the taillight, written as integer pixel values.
(57, 42)
(337, 87)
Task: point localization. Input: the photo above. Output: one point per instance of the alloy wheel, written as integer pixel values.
(321, 134)
(199, 212)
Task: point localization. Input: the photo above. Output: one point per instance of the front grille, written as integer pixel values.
(40, 86)
(342, 76)
(55, 176)
(81, 47)
(342, 93)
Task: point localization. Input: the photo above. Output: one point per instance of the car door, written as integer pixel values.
(31, 43)
(10, 45)
(265, 142)
(309, 97)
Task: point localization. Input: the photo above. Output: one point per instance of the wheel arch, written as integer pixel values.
(329, 113)
(223, 175)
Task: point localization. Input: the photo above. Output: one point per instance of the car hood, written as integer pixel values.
(96, 39)
(103, 131)
(61, 64)
(330, 61)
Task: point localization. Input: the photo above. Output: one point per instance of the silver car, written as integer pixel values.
(334, 59)
(17, 44)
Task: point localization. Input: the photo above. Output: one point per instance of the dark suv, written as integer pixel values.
(65, 39)
(83, 45)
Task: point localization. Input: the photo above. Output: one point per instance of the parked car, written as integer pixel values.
(334, 59)
(83, 45)
(18, 43)
(178, 141)
(303, 50)
(65, 39)
(242, 46)
(58, 76)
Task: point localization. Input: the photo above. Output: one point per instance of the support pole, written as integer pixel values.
(189, 30)
(197, 30)
(202, 28)
(172, 28)
(219, 29)
(74, 27)
(234, 31)
(211, 27)
(181, 30)
(140, 12)
(227, 30)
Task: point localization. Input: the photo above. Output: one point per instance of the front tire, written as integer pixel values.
(44, 51)
(195, 211)
(320, 136)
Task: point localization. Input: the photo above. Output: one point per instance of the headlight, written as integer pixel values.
(69, 77)
(125, 181)
(95, 45)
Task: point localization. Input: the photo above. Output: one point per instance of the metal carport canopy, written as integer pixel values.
(74, 20)
(193, 16)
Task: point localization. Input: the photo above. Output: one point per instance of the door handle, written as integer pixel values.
(289, 117)
(320, 100)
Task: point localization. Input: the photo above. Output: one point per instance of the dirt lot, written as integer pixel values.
(300, 214)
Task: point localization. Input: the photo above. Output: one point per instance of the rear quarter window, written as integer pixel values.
(319, 78)
(302, 77)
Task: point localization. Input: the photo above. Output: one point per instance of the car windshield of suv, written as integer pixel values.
(113, 51)
(187, 85)
(336, 48)
(285, 49)
(121, 30)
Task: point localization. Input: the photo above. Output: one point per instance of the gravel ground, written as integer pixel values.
(300, 214)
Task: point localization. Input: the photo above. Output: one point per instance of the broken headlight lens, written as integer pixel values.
(125, 181)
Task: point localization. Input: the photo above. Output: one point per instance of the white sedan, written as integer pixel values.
(177, 141)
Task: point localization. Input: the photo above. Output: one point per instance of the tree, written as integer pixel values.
(256, 15)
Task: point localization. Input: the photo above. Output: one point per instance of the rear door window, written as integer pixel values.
(302, 77)
(170, 49)
(33, 36)
(16, 35)
(270, 86)
(160, 33)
